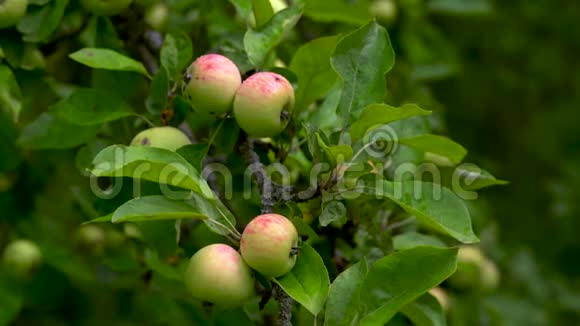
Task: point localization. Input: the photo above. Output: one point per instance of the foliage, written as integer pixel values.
(366, 169)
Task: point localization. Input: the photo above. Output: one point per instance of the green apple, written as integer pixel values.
(22, 257)
(385, 11)
(441, 296)
(11, 11)
(210, 84)
(474, 270)
(263, 104)
(268, 244)
(106, 7)
(157, 15)
(489, 276)
(218, 274)
(162, 137)
(91, 238)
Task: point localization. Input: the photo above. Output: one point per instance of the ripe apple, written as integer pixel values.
(268, 244)
(11, 11)
(263, 104)
(106, 7)
(162, 137)
(22, 257)
(218, 274)
(210, 84)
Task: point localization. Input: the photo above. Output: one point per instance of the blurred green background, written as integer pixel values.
(503, 77)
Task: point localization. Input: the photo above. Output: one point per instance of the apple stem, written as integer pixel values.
(294, 251)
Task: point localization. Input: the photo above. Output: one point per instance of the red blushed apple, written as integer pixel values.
(210, 84)
(161, 137)
(218, 274)
(263, 104)
(268, 244)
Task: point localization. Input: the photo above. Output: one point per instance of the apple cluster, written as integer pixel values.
(262, 104)
(219, 274)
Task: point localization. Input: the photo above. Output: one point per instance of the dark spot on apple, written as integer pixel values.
(145, 141)
(276, 78)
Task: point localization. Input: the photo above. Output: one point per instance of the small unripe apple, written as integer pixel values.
(474, 271)
(269, 243)
(106, 7)
(91, 237)
(489, 276)
(161, 137)
(384, 10)
(263, 104)
(210, 84)
(469, 262)
(22, 257)
(218, 274)
(11, 11)
(157, 15)
(441, 296)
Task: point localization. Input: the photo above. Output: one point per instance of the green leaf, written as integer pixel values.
(343, 11)
(334, 211)
(156, 101)
(436, 144)
(243, 7)
(308, 281)
(103, 219)
(432, 204)
(311, 63)
(10, 95)
(101, 33)
(11, 299)
(262, 11)
(395, 280)
(194, 154)
(40, 22)
(461, 7)
(380, 114)
(49, 131)
(150, 163)
(259, 42)
(344, 295)
(151, 259)
(108, 60)
(335, 154)
(362, 58)
(425, 311)
(153, 208)
(474, 177)
(176, 54)
(410, 240)
(88, 106)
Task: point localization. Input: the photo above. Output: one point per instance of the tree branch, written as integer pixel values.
(270, 193)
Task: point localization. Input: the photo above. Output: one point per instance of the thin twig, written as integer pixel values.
(285, 303)
(269, 193)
